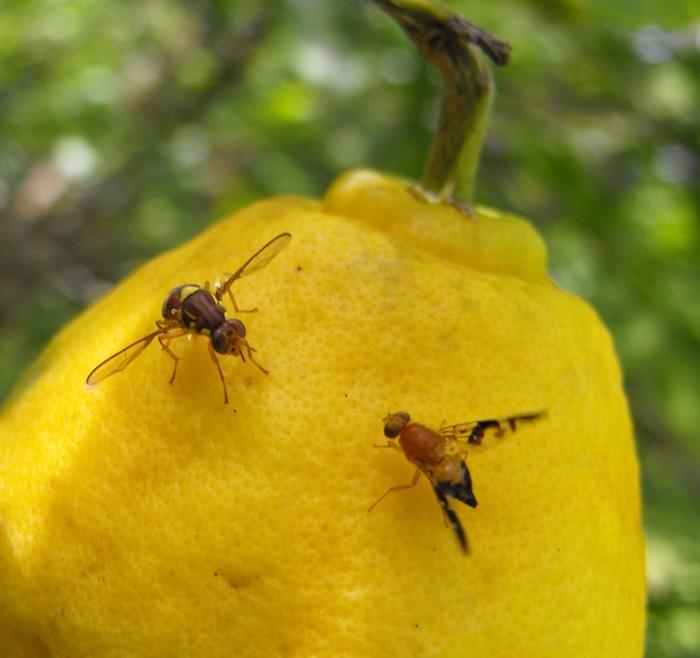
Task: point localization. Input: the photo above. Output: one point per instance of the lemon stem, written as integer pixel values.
(454, 46)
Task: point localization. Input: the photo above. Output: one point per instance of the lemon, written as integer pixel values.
(148, 520)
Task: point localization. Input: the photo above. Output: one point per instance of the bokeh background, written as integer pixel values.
(127, 127)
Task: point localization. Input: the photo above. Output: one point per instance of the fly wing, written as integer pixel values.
(117, 362)
(257, 261)
(482, 434)
(452, 518)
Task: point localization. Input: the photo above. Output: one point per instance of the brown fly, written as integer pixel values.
(441, 456)
(190, 309)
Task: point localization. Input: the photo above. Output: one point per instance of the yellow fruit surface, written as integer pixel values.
(140, 519)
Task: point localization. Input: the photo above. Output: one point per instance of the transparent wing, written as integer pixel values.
(117, 362)
(256, 262)
(482, 434)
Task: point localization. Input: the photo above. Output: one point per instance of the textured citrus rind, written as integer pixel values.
(143, 519)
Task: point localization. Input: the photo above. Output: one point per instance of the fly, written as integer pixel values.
(440, 454)
(190, 309)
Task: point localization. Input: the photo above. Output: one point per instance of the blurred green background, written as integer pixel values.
(127, 127)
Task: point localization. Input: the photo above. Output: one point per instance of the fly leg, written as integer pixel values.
(164, 340)
(212, 356)
(393, 446)
(235, 306)
(250, 351)
(219, 293)
(413, 482)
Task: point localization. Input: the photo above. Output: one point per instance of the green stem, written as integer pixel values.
(453, 45)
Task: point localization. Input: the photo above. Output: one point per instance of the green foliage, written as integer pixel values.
(129, 126)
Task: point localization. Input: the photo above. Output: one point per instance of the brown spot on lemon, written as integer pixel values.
(402, 304)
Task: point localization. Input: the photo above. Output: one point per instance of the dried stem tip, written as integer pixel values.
(453, 45)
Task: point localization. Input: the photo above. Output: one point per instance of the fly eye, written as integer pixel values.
(219, 342)
(238, 326)
(226, 335)
(391, 429)
(223, 340)
(394, 423)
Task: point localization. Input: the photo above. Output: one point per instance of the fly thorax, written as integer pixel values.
(200, 311)
(421, 444)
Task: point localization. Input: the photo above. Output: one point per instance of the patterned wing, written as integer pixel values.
(257, 261)
(482, 434)
(452, 518)
(117, 362)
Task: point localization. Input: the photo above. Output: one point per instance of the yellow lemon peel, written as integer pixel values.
(143, 519)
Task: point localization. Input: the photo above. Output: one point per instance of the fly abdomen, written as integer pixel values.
(172, 305)
(460, 489)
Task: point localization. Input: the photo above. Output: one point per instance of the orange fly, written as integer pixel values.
(441, 456)
(190, 309)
